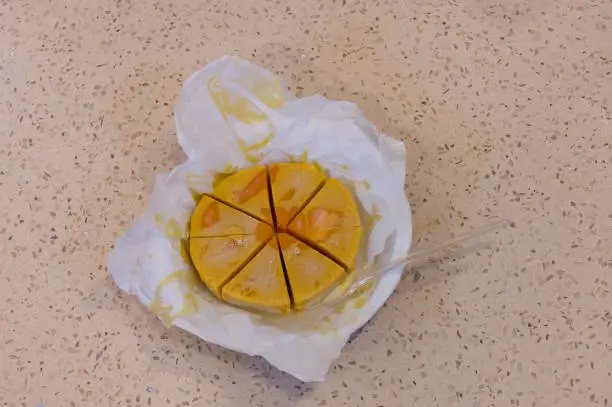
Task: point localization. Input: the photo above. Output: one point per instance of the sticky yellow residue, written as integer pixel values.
(219, 177)
(302, 158)
(365, 287)
(256, 146)
(371, 219)
(193, 178)
(360, 301)
(270, 93)
(228, 170)
(243, 110)
(248, 150)
(252, 158)
(182, 247)
(326, 326)
(339, 309)
(240, 108)
(357, 302)
(190, 305)
(195, 195)
(367, 184)
(322, 169)
(173, 230)
(158, 218)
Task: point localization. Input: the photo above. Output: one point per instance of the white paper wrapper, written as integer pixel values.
(231, 115)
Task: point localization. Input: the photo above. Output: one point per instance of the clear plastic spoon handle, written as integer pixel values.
(416, 257)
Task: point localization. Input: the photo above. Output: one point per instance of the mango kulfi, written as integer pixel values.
(275, 238)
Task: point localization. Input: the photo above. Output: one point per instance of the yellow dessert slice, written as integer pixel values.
(214, 218)
(330, 222)
(247, 190)
(292, 185)
(311, 274)
(261, 283)
(218, 259)
(223, 239)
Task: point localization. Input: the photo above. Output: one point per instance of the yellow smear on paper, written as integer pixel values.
(182, 246)
(253, 159)
(371, 220)
(220, 176)
(256, 146)
(173, 230)
(194, 178)
(240, 108)
(360, 301)
(270, 93)
(243, 110)
(326, 326)
(322, 169)
(190, 305)
(246, 149)
(302, 158)
(195, 195)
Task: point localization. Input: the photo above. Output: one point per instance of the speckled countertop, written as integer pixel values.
(505, 111)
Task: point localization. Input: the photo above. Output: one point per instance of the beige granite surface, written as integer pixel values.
(505, 109)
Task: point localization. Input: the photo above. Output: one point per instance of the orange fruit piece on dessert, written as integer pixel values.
(330, 222)
(261, 283)
(292, 185)
(311, 274)
(212, 218)
(247, 190)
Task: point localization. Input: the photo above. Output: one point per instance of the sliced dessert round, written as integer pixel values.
(246, 262)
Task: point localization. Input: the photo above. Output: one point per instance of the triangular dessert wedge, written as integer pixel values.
(247, 190)
(218, 259)
(212, 218)
(221, 240)
(292, 185)
(311, 274)
(330, 222)
(261, 283)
